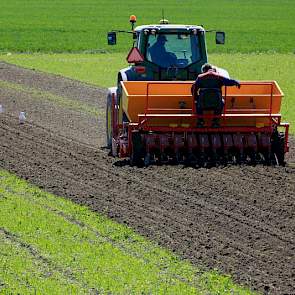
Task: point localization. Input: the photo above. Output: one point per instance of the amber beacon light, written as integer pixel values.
(132, 20)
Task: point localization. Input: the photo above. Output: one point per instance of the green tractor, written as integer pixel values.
(163, 52)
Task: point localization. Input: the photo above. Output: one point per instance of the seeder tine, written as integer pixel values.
(191, 160)
(147, 160)
(203, 160)
(178, 158)
(209, 148)
(228, 145)
(163, 159)
(204, 142)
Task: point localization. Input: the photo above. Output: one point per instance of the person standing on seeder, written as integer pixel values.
(207, 92)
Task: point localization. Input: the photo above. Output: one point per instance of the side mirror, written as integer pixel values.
(112, 38)
(220, 38)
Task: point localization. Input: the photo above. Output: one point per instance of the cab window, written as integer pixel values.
(177, 49)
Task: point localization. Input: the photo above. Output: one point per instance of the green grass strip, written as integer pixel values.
(120, 236)
(48, 96)
(91, 259)
(22, 272)
(98, 69)
(96, 253)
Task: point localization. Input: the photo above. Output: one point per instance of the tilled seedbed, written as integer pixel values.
(239, 219)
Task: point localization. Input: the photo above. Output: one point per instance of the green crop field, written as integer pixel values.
(61, 256)
(78, 25)
(49, 245)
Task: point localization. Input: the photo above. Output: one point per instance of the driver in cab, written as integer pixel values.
(159, 54)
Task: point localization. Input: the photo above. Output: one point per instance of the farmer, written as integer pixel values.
(159, 54)
(207, 92)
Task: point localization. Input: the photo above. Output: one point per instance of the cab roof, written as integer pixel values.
(169, 27)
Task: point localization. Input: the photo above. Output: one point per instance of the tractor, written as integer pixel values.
(151, 113)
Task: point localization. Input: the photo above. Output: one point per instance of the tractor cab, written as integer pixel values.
(165, 52)
(172, 52)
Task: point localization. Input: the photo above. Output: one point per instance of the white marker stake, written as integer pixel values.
(1, 109)
(22, 117)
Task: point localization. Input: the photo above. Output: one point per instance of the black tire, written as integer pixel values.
(137, 150)
(109, 119)
(278, 148)
(109, 134)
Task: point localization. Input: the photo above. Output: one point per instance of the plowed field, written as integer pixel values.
(237, 219)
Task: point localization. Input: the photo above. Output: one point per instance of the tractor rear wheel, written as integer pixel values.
(278, 148)
(137, 150)
(109, 120)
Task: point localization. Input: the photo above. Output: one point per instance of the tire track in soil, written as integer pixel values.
(220, 217)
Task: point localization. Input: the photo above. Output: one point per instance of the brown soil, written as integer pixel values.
(239, 219)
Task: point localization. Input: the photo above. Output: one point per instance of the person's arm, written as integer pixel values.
(229, 82)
